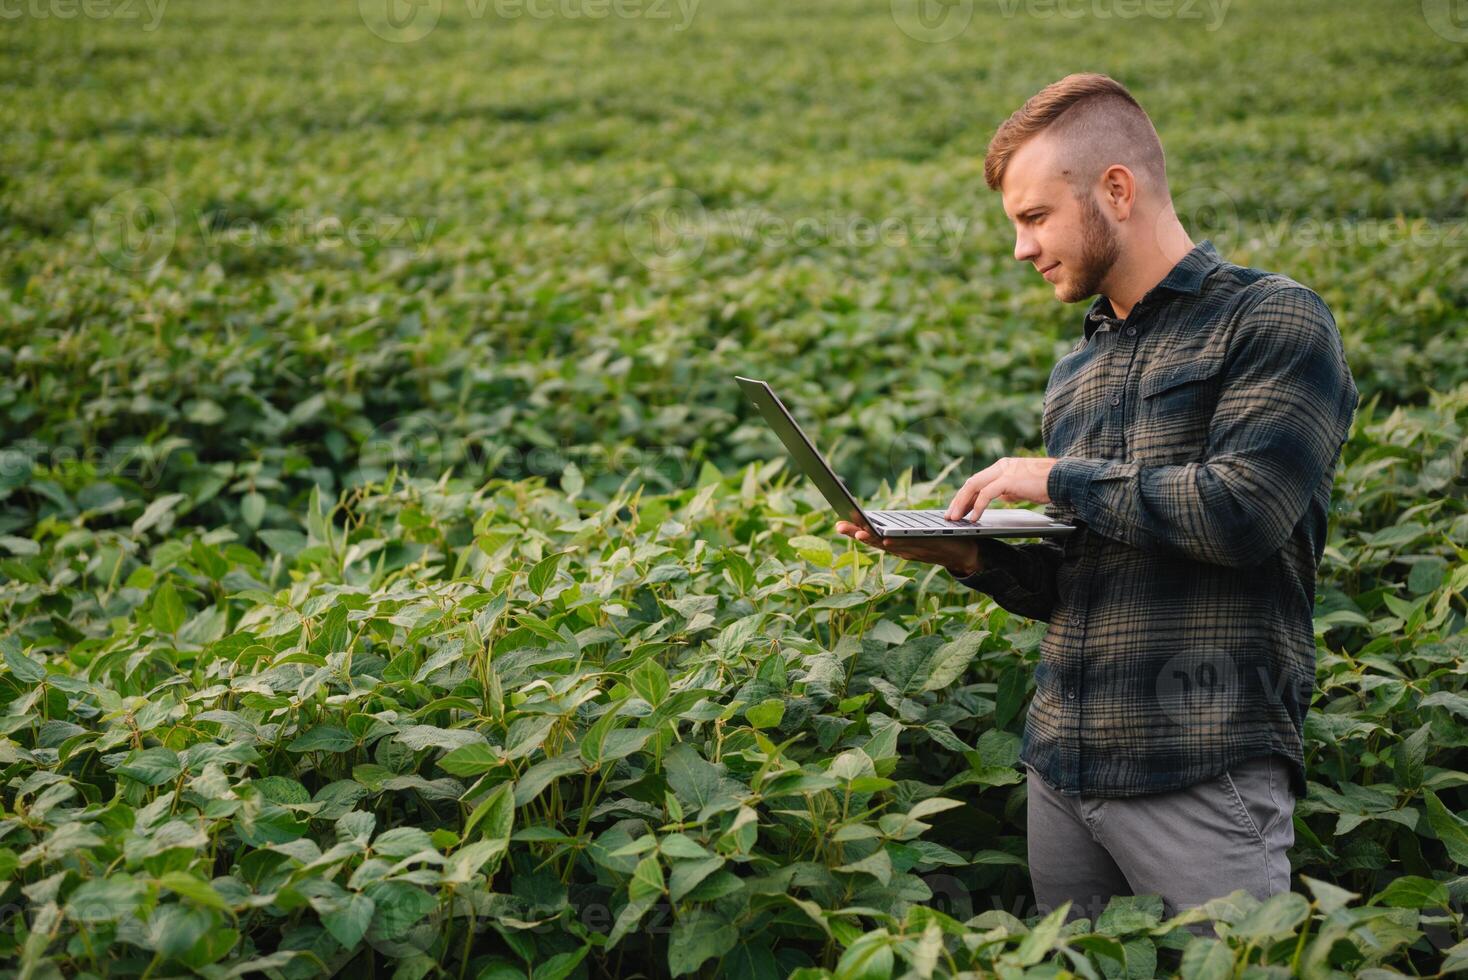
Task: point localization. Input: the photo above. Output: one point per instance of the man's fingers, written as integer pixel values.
(986, 497)
(964, 499)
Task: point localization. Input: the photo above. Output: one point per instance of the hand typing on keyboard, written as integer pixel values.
(1012, 479)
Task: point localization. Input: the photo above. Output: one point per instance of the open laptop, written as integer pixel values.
(994, 522)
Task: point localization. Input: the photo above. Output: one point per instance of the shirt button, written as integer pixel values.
(1131, 331)
(1115, 400)
(1071, 694)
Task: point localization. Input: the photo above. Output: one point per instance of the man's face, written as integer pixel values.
(1068, 239)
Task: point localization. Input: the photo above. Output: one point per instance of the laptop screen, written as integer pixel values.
(811, 463)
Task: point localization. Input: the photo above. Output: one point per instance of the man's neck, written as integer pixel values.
(1135, 274)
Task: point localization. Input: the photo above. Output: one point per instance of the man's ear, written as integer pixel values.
(1118, 187)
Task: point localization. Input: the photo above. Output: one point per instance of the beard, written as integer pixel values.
(1100, 248)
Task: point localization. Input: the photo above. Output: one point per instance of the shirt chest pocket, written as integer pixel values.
(1175, 409)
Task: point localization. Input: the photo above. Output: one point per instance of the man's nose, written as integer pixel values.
(1024, 248)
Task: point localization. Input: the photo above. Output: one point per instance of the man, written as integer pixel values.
(1193, 433)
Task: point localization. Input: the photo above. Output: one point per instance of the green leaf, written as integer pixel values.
(697, 937)
(398, 905)
(1207, 959)
(1328, 897)
(401, 842)
(151, 767)
(699, 784)
(1413, 892)
(878, 864)
(950, 660)
(1276, 916)
(331, 634)
(252, 509)
(22, 668)
(542, 774)
(158, 514)
(869, 957)
(526, 734)
(650, 681)
(647, 880)
(591, 744)
(815, 550)
(168, 612)
(466, 861)
(1010, 696)
(323, 738)
(1041, 939)
(194, 889)
(561, 965)
(766, 714)
(496, 814)
(471, 760)
(687, 874)
(543, 573)
(350, 920)
(1129, 914)
(1449, 827)
(622, 742)
(104, 899)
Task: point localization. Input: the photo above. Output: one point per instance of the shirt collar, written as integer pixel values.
(1185, 277)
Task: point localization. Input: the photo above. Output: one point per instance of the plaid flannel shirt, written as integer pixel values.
(1197, 442)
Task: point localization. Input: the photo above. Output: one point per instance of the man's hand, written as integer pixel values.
(959, 555)
(1013, 479)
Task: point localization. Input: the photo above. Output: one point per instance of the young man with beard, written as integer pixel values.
(1193, 433)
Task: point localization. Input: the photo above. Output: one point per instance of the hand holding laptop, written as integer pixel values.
(959, 555)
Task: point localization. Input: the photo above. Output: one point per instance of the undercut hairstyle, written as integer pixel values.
(1096, 123)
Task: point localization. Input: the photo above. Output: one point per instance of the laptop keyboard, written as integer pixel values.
(917, 519)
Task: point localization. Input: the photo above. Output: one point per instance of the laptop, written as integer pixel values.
(1001, 522)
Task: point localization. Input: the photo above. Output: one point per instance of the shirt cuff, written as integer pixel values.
(1069, 482)
(994, 574)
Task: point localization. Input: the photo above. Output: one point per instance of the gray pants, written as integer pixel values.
(1187, 846)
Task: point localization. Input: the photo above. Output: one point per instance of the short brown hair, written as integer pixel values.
(1097, 110)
